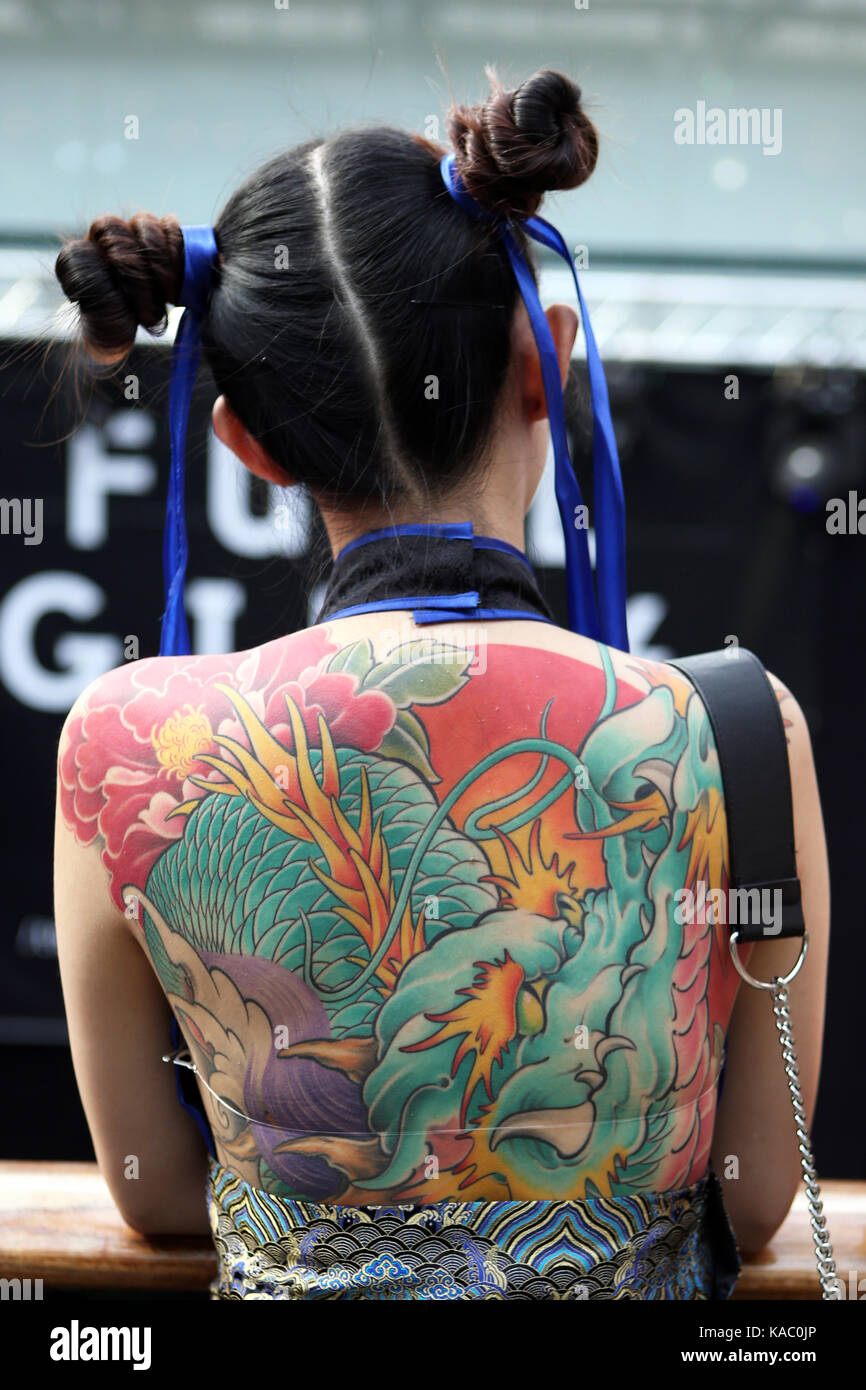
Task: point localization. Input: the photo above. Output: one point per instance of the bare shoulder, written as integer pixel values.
(793, 719)
(138, 745)
(179, 685)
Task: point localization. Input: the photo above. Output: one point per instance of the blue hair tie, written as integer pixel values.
(607, 622)
(199, 257)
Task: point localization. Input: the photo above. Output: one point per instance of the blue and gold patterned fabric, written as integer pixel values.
(674, 1245)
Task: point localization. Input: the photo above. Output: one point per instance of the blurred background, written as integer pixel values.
(721, 246)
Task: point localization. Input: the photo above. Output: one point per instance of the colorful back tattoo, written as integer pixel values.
(415, 909)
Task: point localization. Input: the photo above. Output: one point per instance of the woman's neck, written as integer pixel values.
(489, 517)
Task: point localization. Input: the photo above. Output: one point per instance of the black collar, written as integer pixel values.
(430, 560)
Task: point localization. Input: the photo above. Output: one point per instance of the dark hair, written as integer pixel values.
(359, 324)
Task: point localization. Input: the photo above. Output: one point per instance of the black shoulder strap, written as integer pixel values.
(750, 737)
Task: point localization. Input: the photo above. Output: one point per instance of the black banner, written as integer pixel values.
(729, 539)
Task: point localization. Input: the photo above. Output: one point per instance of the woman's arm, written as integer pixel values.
(149, 1150)
(755, 1120)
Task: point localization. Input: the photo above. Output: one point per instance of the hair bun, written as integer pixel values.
(519, 145)
(122, 274)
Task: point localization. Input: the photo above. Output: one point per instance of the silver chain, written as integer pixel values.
(820, 1232)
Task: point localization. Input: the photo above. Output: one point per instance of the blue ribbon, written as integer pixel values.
(607, 621)
(199, 256)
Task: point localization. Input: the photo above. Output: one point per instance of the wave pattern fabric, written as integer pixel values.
(675, 1245)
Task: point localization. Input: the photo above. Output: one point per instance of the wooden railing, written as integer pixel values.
(59, 1224)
